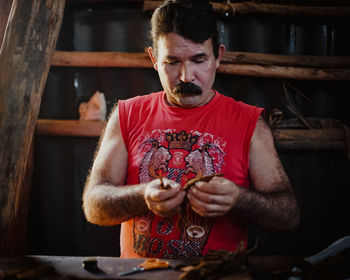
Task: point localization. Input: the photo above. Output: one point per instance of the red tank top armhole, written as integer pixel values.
(122, 122)
(251, 128)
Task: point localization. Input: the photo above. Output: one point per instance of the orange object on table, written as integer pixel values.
(148, 264)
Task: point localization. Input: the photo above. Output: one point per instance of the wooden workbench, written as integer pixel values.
(60, 268)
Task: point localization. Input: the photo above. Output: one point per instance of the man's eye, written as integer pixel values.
(172, 62)
(199, 60)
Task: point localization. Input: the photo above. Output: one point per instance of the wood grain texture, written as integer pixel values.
(233, 63)
(101, 59)
(309, 139)
(25, 59)
(69, 128)
(252, 7)
(5, 8)
(286, 72)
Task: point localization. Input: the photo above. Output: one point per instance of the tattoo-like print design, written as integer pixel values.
(178, 156)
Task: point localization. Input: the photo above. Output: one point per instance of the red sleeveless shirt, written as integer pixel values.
(181, 144)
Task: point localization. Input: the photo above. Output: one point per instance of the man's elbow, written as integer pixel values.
(90, 212)
(293, 219)
(94, 214)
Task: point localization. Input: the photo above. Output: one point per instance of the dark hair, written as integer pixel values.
(192, 19)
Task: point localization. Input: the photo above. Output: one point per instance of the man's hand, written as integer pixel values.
(164, 202)
(214, 198)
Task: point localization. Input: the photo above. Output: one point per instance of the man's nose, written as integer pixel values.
(187, 73)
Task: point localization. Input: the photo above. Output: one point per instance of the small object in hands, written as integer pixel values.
(90, 264)
(148, 264)
(191, 182)
(162, 186)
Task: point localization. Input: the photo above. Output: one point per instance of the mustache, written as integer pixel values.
(187, 89)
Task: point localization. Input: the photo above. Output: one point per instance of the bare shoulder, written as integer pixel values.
(112, 128)
(262, 131)
(111, 156)
(265, 167)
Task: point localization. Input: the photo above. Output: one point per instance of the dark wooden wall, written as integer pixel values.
(28, 45)
(321, 179)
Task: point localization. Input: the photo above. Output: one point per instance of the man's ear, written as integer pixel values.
(153, 58)
(221, 51)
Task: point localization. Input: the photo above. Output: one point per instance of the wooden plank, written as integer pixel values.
(286, 72)
(101, 59)
(286, 60)
(332, 139)
(244, 8)
(235, 63)
(5, 8)
(321, 134)
(312, 145)
(25, 58)
(310, 139)
(124, 59)
(69, 128)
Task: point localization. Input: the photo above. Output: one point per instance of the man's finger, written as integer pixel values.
(210, 198)
(157, 194)
(171, 203)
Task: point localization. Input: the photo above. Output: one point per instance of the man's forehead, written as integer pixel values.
(172, 43)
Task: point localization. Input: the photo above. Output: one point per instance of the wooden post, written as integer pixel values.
(25, 57)
(5, 8)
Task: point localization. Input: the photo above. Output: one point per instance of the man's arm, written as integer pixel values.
(106, 201)
(270, 204)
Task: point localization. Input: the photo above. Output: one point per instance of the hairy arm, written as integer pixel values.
(271, 203)
(106, 201)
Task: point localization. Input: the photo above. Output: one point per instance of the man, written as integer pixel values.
(154, 144)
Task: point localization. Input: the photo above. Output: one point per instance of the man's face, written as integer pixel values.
(186, 69)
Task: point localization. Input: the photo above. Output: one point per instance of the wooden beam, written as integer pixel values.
(244, 8)
(236, 63)
(124, 59)
(101, 59)
(309, 139)
(5, 8)
(316, 61)
(25, 58)
(285, 72)
(316, 134)
(69, 128)
(311, 145)
(333, 139)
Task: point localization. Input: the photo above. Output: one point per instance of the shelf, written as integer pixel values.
(286, 139)
(69, 128)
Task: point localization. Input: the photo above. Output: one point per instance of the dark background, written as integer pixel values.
(321, 180)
